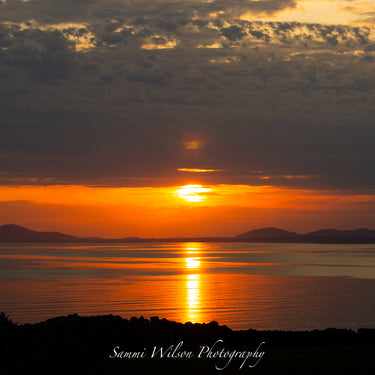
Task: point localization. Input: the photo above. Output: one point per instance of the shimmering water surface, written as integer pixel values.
(261, 286)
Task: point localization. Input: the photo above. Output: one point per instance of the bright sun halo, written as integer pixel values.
(191, 193)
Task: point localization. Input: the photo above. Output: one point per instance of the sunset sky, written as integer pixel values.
(187, 117)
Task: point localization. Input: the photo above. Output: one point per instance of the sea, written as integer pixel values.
(242, 285)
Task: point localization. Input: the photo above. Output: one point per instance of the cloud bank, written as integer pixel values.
(108, 92)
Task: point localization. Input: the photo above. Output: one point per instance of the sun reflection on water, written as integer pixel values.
(193, 262)
(193, 282)
(193, 297)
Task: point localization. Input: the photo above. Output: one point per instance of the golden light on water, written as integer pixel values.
(192, 193)
(193, 297)
(193, 262)
(193, 283)
(193, 248)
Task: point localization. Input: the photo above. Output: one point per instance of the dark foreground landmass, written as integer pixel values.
(16, 233)
(84, 345)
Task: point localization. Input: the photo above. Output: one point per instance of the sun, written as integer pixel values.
(192, 193)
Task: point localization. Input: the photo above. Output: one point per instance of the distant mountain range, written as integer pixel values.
(16, 233)
(323, 236)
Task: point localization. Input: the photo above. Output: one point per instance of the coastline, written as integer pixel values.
(106, 344)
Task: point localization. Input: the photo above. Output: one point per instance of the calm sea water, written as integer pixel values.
(261, 286)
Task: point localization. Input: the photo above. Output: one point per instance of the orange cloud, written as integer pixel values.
(197, 170)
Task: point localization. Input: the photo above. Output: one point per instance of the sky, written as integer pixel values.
(187, 117)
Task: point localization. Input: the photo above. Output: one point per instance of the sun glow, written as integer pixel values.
(316, 11)
(191, 193)
(184, 211)
(192, 145)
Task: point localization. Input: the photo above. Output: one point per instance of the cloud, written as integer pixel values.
(108, 93)
(37, 55)
(233, 33)
(364, 11)
(47, 10)
(236, 8)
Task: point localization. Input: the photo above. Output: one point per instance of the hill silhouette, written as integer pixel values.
(334, 235)
(269, 234)
(16, 233)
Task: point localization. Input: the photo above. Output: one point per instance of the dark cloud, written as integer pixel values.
(233, 33)
(112, 93)
(179, 11)
(44, 56)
